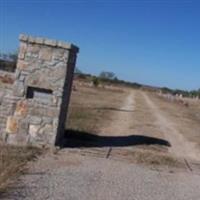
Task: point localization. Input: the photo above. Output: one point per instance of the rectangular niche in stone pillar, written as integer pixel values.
(42, 90)
(40, 95)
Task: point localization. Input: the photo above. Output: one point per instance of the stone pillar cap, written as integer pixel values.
(48, 42)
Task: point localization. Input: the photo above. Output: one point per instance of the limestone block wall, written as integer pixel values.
(6, 107)
(41, 92)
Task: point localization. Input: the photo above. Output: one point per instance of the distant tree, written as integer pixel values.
(107, 75)
(13, 57)
(115, 79)
(166, 90)
(95, 81)
(8, 61)
(9, 56)
(77, 71)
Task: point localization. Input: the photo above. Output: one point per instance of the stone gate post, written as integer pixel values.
(41, 91)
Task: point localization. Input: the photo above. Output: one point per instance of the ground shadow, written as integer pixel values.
(83, 139)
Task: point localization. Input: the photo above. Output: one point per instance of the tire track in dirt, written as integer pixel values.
(180, 147)
(121, 122)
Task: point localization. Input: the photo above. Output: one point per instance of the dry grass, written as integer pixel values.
(186, 119)
(90, 108)
(148, 156)
(12, 160)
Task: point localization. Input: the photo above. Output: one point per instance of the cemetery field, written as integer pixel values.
(135, 124)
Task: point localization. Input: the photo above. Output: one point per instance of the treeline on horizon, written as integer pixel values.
(110, 78)
(8, 63)
(184, 93)
(106, 78)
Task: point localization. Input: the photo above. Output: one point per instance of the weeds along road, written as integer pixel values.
(118, 168)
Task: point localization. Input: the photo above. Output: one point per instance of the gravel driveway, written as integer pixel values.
(71, 176)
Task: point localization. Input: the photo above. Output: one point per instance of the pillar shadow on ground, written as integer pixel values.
(75, 139)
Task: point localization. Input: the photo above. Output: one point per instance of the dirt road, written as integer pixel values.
(151, 121)
(108, 171)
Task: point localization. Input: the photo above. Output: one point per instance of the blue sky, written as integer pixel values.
(154, 42)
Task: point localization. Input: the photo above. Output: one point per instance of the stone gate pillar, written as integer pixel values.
(41, 91)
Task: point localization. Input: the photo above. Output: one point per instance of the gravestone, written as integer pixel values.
(41, 91)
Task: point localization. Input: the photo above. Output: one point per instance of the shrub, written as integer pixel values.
(95, 81)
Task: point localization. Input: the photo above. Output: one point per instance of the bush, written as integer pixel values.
(95, 81)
